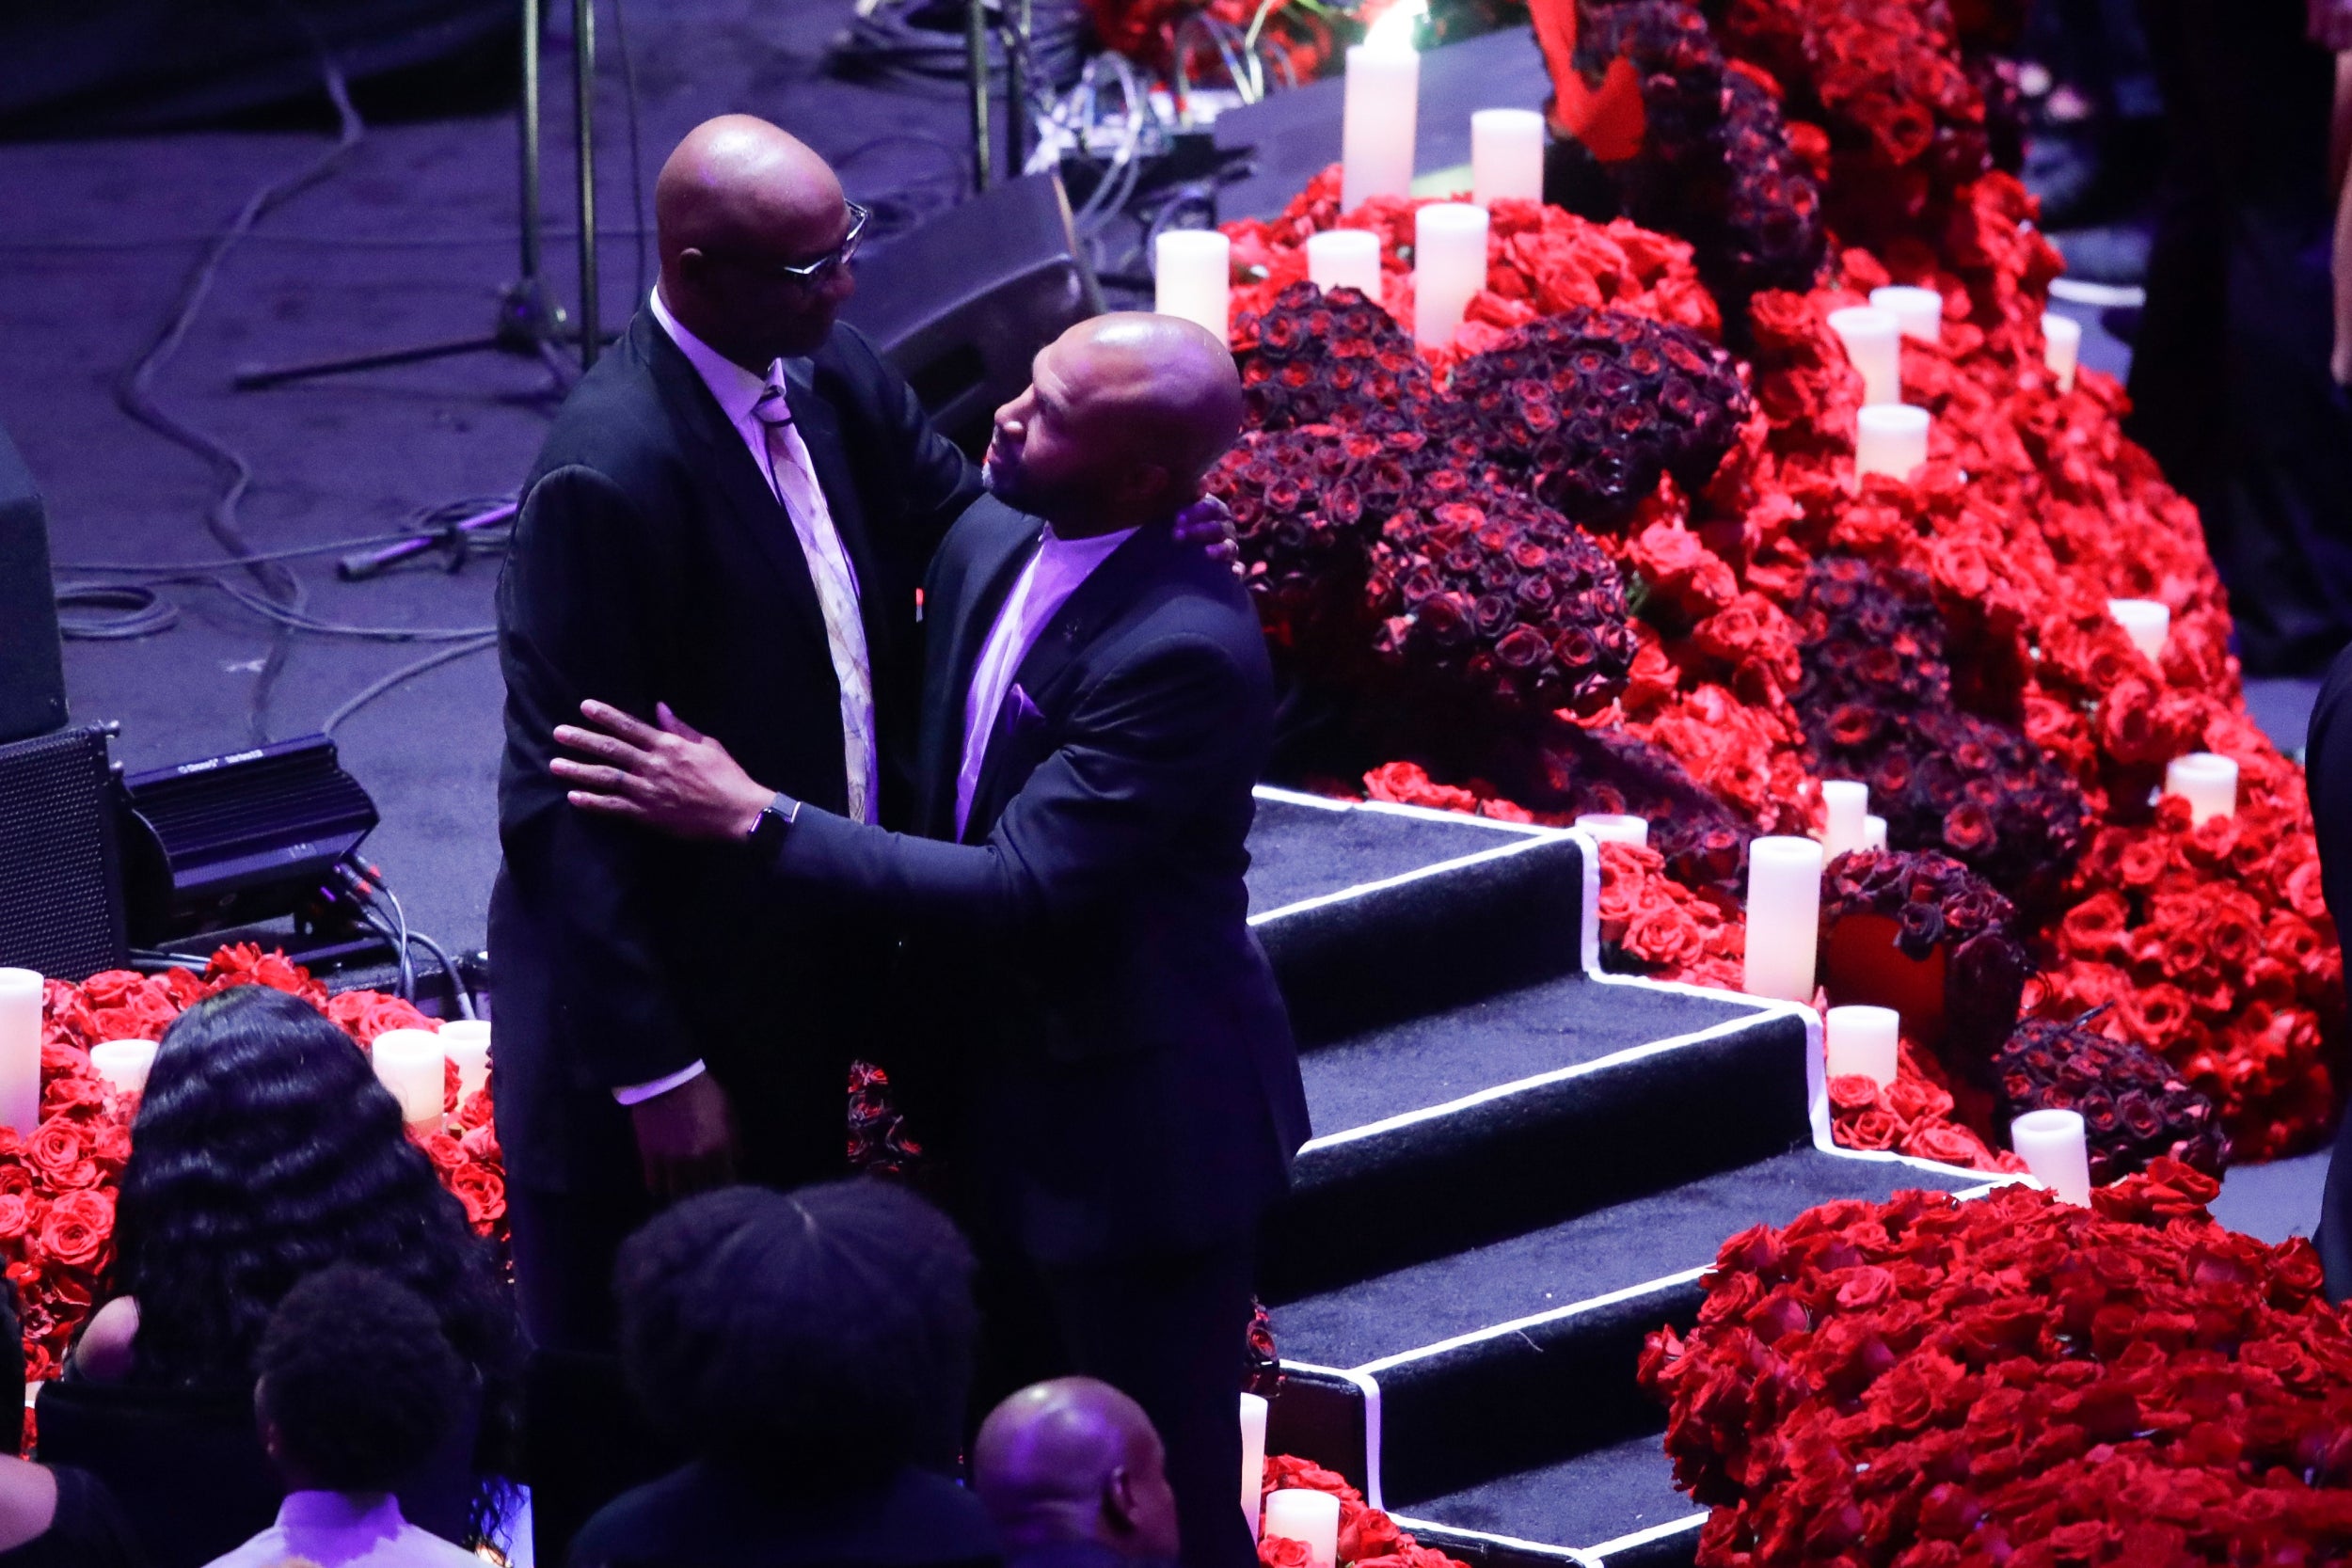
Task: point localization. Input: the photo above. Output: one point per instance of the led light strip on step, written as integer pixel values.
(1428, 1532)
(1607, 1549)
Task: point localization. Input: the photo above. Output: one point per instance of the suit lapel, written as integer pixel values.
(1106, 595)
(964, 625)
(728, 463)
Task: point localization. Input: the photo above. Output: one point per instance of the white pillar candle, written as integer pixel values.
(1874, 833)
(1345, 259)
(1784, 914)
(1847, 811)
(1253, 1412)
(467, 1042)
(2061, 345)
(1918, 312)
(20, 1050)
(1192, 272)
(1614, 828)
(1295, 1514)
(1862, 1043)
(1507, 155)
(1376, 118)
(2052, 1145)
(123, 1064)
(2206, 782)
(2146, 622)
(1874, 346)
(1449, 266)
(409, 1063)
(1890, 438)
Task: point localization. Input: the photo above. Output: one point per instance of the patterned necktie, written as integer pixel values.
(836, 589)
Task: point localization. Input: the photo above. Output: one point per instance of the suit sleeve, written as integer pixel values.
(1147, 743)
(575, 608)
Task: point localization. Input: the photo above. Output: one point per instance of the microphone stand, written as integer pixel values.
(526, 325)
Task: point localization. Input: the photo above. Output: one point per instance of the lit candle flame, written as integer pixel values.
(1392, 34)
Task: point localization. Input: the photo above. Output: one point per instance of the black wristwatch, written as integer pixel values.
(768, 828)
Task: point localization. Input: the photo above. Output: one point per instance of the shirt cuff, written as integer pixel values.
(634, 1094)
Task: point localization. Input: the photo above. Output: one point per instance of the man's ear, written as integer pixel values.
(1118, 1501)
(1152, 485)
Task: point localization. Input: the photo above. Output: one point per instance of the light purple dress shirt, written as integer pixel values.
(345, 1530)
(1045, 584)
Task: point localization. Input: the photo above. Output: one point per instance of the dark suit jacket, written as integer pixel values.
(651, 561)
(708, 1516)
(1087, 945)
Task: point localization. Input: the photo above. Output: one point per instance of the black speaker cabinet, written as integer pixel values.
(32, 675)
(963, 304)
(60, 888)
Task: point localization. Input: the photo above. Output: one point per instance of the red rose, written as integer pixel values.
(483, 1192)
(1281, 1551)
(77, 1228)
(59, 1152)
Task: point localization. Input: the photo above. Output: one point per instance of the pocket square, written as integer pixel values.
(1020, 714)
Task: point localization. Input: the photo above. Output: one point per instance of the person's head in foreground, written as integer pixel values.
(358, 1386)
(265, 1149)
(756, 240)
(822, 1338)
(1075, 1462)
(1123, 416)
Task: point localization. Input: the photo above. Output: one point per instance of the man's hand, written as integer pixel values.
(1209, 523)
(686, 1138)
(674, 780)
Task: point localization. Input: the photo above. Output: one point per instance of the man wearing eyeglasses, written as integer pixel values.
(733, 510)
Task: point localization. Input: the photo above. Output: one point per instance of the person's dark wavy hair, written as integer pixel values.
(822, 1336)
(264, 1150)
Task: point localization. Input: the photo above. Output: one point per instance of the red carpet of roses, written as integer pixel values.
(57, 1186)
(1933, 1383)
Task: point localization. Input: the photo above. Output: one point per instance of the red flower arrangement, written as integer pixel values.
(1944, 925)
(2014, 1380)
(1715, 162)
(1368, 1538)
(1914, 1115)
(2134, 1106)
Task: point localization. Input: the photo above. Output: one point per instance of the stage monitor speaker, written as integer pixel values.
(227, 841)
(32, 673)
(60, 882)
(963, 304)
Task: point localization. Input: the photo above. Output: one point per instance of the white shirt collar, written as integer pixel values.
(736, 388)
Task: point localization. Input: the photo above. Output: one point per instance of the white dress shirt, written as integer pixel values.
(783, 461)
(1045, 584)
(345, 1530)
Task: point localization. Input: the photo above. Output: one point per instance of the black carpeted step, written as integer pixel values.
(1522, 1352)
(1620, 1499)
(1401, 914)
(1305, 846)
(1578, 1114)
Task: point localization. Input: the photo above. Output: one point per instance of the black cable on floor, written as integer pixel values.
(407, 671)
(636, 156)
(135, 389)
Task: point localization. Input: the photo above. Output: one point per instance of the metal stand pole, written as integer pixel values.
(976, 66)
(525, 325)
(1016, 87)
(584, 123)
(529, 125)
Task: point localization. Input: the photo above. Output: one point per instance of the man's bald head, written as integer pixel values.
(739, 199)
(1076, 1459)
(1123, 415)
